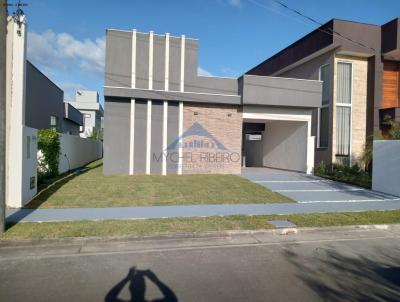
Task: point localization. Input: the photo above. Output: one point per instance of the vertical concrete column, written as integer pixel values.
(15, 89)
(148, 137)
(149, 104)
(165, 106)
(310, 148)
(182, 89)
(164, 138)
(3, 33)
(132, 115)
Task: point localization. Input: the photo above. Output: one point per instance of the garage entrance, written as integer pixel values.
(276, 140)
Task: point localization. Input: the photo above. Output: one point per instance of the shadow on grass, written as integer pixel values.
(336, 276)
(56, 183)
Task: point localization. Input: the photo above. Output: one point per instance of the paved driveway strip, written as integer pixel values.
(43, 215)
(308, 188)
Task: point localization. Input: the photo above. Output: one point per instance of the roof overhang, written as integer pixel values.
(196, 97)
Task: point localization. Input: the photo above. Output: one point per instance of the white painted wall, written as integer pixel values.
(76, 151)
(299, 139)
(23, 169)
(285, 145)
(386, 167)
(19, 168)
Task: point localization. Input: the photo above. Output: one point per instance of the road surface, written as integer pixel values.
(334, 264)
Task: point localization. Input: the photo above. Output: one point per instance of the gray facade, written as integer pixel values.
(258, 90)
(45, 99)
(375, 42)
(149, 81)
(116, 130)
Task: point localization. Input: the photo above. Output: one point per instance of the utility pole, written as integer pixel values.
(3, 39)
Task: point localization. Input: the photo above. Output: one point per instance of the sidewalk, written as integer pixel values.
(71, 214)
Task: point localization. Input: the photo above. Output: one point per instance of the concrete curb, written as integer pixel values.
(185, 236)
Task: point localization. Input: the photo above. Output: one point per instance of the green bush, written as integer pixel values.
(49, 145)
(321, 169)
(394, 132)
(352, 175)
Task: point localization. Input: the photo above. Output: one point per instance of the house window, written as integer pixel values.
(343, 113)
(323, 112)
(54, 122)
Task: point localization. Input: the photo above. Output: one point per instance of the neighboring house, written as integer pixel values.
(361, 82)
(45, 108)
(162, 118)
(87, 102)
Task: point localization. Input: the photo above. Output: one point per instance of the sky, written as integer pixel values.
(66, 39)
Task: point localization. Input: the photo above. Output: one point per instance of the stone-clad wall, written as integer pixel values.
(215, 146)
(359, 105)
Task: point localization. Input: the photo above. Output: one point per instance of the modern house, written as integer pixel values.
(161, 117)
(45, 107)
(359, 65)
(87, 102)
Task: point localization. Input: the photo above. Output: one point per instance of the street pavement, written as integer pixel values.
(74, 214)
(329, 264)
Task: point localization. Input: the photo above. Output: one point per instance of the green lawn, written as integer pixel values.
(45, 230)
(92, 189)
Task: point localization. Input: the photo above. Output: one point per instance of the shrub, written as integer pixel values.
(394, 131)
(321, 169)
(49, 152)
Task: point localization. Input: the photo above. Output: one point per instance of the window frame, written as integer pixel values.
(346, 105)
(319, 113)
(56, 126)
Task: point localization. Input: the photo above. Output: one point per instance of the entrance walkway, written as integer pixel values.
(305, 188)
(45, 215)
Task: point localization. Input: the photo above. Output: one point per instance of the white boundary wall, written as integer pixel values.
(386, 167)
(76, 151)
(21, 181)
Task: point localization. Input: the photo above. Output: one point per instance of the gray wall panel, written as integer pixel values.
(174, 63)
(191, 49)
(259, 90)
(70, 127)
(43, 99)
(172, 135)
(118, 68)
(156, 137)
(142, 60)
(213, 85)
(140, 137)
(116, 137)
(159, 63)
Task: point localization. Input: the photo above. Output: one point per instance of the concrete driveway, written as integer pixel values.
(305, 188)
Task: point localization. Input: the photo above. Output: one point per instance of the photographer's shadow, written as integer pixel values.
(137, 287)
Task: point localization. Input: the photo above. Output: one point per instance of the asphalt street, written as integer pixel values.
(334, 264)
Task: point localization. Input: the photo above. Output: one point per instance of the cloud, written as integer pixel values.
(236, 3)
(203, 72)
(62, 51)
